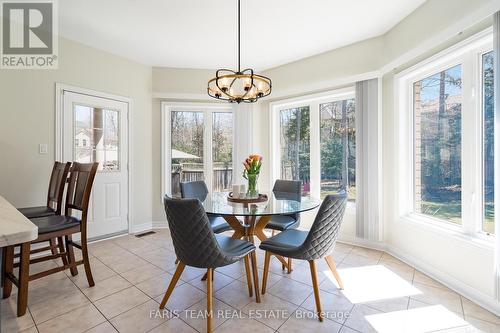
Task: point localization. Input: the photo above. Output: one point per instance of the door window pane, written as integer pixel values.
(222, 150)
(488, 142)
(437, 133)
(186, 148)
(294, 146)
(96, 137)
(338, 148)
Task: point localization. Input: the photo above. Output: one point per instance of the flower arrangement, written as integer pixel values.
(251, 173)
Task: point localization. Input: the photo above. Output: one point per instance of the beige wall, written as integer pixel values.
(27, 117)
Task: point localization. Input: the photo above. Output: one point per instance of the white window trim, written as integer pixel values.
(313, 101)
(208, 109)
(467, 53)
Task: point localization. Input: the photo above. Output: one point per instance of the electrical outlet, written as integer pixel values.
(42, 148)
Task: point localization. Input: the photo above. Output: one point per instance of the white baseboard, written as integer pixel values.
(159, 224)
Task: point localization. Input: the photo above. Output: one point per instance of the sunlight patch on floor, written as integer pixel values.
(419, 320)
(373, 283)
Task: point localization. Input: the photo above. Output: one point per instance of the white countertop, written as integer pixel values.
(14, 227)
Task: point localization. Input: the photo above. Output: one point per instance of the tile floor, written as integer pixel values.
(382, 294)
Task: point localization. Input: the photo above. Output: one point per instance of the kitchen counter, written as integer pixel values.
(14, 227)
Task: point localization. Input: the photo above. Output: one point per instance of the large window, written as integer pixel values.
(313, 139)
(338, 147)
(198, 143)
(488, 141)
(437, 103)
(295, 146)
(446, 138)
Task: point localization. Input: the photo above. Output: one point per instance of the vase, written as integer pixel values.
(253, 191)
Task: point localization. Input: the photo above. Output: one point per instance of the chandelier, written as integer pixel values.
(241, 85)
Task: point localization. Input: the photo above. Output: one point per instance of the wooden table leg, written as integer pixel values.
(24, 275)
(259, 232)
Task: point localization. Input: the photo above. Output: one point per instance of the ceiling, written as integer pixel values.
(202, 33)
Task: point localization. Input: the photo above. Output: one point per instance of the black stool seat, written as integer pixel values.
(40, 211)
(282, 222)
(218, 224)
(54, 223)
(235, 249)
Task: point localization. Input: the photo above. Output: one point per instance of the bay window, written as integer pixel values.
(445, 137)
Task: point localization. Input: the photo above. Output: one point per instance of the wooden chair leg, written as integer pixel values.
(71, 255)
(24, 275)
(209, 299)
(249, 275)
(267, 260)
(53, 245)
(173, 282)
(289, 266)
(86, 261)
(60, 245)
(333, 269)
(314, 277)
(8, 267)
(253, 257)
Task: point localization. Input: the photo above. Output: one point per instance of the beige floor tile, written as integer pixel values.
(125, 264)
(183, 297)
(482, 325)
(390, 305)
(343, 247)
(174, 325)
(243, 325)
(357, 319)
(139, 319)
(291, 291)
(424, 279)
(39, 290)
(142, 273)
(235, 294)
(191, 273)
(272, 278)
(10, 322)
(302, 273)
(307, 321)
(235, 270)
(104, 248)
(120, 302)
(99, 272)
(105, 327)
(401, 269)
(78, 320)
(29, 330)
(195, 315)
(356, 260)
(106, 287)
(52, 307)
(433, 296)
(156, 286)
(471, 309)
(365, 252)
(346, 329)
(274, 310)
(336, 305)
(219, 281)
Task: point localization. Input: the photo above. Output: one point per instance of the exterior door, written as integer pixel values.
(95, 130)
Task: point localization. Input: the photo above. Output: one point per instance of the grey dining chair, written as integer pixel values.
(198, 189)
(317, 243)
(196, 245)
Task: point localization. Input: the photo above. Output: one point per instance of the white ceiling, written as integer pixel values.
(202, 33)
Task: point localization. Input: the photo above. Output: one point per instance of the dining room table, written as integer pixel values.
(249, 219)
(15, 229)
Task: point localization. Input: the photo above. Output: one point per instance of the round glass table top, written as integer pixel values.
(277, 204)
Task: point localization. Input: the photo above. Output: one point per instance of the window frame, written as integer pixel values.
(468, 54)
(208, 109)
(313, 101)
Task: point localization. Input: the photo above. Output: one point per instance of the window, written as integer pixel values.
(338, 147)
(445, 138)
(198, 145)
(294, 144)
(437, 103)
(313, 139)
(98, 131)
(222, 150)
(488, 141)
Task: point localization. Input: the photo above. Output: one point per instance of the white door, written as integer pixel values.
(95, 130)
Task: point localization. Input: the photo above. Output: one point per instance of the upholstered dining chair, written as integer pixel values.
(198, 189)
(196, 245)
(56, 226)
(57, 183)
(317, 243)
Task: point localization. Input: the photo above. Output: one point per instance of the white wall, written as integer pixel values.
(27, 118)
